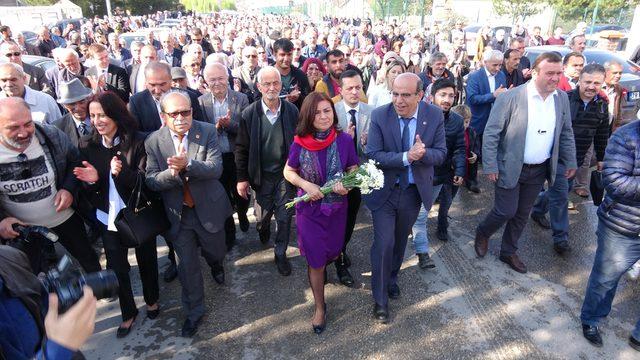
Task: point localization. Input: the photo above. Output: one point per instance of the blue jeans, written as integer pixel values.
(419, 230)
(616, 253)
(555, 201)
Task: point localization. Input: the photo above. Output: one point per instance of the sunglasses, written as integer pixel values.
(17, 53)
(25, 173)
(183, 113)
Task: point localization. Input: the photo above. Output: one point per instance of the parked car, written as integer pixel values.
(630, 72)
(42, 62)
(472, 35)
(141, 35)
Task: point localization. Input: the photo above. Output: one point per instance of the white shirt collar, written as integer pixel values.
(266, 109)
(347, 107)
(415, 114)
(488, 73)
(533, 91)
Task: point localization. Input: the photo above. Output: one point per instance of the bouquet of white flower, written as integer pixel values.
(368, 178)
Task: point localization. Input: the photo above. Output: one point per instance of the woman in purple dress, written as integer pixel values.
(320, 153)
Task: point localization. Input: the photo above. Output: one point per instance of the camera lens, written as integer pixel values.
(103, 283)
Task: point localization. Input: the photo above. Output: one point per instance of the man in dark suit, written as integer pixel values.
(107, 76)
(169, 53)
(136, 73)
(264, 136)
(36, 79)
(151, 40)
(483, 87)
(184, 165)
(407, 139)
(145, 105)
(72, 68)
(75, 123)
(135, 49)
(223, 107)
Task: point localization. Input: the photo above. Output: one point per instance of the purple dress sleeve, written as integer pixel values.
(294, 156)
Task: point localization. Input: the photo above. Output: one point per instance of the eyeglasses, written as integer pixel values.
(183, 113)
(194, 65)
(26, 172)
(403, 95)
(251, 56)
(260, 52)
(17, 53)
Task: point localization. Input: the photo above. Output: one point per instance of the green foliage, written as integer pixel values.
(609, 11)
(38, 2)
(517, 8)
(401, 8)
(208, 5)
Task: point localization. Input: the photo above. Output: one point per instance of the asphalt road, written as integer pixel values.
(464, 308)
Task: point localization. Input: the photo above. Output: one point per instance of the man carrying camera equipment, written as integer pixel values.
(36, 180)
(26, 329)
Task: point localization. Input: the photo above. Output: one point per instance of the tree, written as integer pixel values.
(608, 10)
(517, 8)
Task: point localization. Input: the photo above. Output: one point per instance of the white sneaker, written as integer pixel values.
(634, 272)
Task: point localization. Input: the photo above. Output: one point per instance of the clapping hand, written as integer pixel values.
(178, 162)
(351, 130)
(417, 151)
(86, 173)
(116, 166)
(224, 121)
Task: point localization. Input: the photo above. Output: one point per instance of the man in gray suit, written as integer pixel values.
(518, 154)
(407, 139)
(353, 118)
(223, 107)
(184, 164)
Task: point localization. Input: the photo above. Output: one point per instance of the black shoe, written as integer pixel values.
(562, 247)
(592, 334)
(442, 234)
(284, 267)
(244, 222)
(393, 291)
(217, 271)
(189, 328)
(635, 344)
(152, 314)
(170, 273)
(318, 329)
(344, 260)
(381, 313)
(514, 262)
(124, 331)
(264, 236)
(344, 275)
(425, 262)
(474, 188)
(541, 220)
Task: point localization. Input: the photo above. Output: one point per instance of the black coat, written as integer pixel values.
(116, 80)
(134, 162)
(248, 148)
(455, 162)
(143, 108)
(591, 128)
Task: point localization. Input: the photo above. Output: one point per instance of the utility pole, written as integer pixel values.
(593, 18)
(108, 8)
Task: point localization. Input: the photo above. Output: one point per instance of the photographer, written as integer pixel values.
(23, 304)
(36, 180)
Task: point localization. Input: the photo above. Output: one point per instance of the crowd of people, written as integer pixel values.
(221, 112)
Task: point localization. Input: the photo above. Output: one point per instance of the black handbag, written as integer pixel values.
(596, 187)
(143, 219)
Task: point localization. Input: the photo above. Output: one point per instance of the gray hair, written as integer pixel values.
(265, 70)
(157, 66)
(608, 64)
(492, 55)
(15, 66)
(163, 99)
(64, 52)
(437, 56)
(220, 58)
(215, 65)
(136, 43)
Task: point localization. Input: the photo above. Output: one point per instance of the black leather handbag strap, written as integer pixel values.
(137, 193)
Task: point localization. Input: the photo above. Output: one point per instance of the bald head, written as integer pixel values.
(16, 125)
(406, 94)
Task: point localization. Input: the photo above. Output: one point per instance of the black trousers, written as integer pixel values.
(271, 198)
(73, 236)
(513, 206)
(354, 198)
(229, 181)
(117, 260)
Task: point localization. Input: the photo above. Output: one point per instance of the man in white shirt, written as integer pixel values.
(520, 148)
(44, 109)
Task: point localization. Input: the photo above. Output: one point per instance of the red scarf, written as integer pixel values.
(312, 144)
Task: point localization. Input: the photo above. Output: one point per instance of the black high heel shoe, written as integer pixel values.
(124, 331)
(318, 329)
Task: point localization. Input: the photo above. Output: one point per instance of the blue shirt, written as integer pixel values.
(412, 136)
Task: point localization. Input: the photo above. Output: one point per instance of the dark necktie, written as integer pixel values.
(186, 192)
(406, 145)
(83, 129)
(354, 123)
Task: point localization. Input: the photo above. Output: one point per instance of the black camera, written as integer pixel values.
(37, 242)
(67, 282)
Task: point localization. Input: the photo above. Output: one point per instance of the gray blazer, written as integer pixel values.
(211, 202)
(68, 126)
(237, 103)
(362, 126)
(506, 132)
